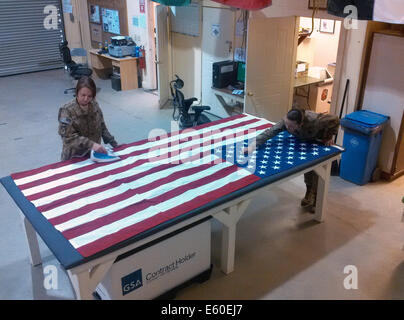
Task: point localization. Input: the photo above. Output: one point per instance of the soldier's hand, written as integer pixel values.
(249, 149)
(328, 142)
(99, 148)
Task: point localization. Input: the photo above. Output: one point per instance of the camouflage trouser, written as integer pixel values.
(311, 180)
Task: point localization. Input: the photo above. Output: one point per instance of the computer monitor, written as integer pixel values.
(110, 21)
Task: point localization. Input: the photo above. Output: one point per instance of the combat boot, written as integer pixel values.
(309, 199)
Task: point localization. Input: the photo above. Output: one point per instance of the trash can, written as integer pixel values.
(116, 82)
(362, 139)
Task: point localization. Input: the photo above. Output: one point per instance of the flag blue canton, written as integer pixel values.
(281, 153)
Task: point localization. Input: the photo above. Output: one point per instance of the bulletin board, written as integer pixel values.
(186, 19)
(107, 18)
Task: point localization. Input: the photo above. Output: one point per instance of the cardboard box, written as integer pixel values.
(302, 69)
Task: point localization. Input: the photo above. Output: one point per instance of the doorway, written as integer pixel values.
(316, 63)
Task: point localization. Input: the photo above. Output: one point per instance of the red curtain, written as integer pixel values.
(246, 4)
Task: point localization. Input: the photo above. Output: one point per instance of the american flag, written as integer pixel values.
(98, 205)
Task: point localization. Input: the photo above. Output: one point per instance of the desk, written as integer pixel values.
(127, 66)
(89, 213)
(306, 81)
(220, 92)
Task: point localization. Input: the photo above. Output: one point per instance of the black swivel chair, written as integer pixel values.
(75, 70)
(185, 118)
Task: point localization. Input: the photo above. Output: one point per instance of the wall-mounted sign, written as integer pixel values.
(142, 8)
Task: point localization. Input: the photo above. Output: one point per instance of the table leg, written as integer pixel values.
(229, 218)
(322, 190)
(85, 282)
(32, 241)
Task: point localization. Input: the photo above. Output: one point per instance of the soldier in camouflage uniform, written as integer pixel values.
(81, 123)
(305, 125)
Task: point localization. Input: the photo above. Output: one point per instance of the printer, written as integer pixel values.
(224, 73)
(121, 46)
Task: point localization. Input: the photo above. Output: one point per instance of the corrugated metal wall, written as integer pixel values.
(29, 40)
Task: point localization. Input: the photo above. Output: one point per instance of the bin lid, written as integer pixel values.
(367, 118)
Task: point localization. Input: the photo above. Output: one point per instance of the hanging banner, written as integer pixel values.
(391, 11)
(246, 4)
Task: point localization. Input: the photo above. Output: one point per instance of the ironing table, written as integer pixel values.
(88, 214)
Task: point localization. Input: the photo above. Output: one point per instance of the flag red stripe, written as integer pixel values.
(135, 153)
(27, 173)
(125, 195)
(175, 133)
(128, 232)
(59, 188)
(113, 184)
(137, 207)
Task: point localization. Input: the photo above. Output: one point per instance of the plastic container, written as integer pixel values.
(362, 139)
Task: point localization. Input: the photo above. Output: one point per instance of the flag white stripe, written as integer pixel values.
(120, 189)
(109, 193)
(193, 133)
(153, 210)
(101, 212)
(148, 155)
(69, 167)
(97, 183)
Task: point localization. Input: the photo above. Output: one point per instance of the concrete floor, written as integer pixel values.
(280, 252)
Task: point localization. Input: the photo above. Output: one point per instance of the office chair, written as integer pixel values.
(75, 70)
(186, 119)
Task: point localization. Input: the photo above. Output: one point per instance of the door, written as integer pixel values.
(30, 35)
(217, 45)
(384, 92)
(162, 54)
(399, 161)
(271, 59)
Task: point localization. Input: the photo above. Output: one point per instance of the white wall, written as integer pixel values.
(143, 36)
(319, 49)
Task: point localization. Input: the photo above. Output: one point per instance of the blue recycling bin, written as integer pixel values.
(363, 132)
